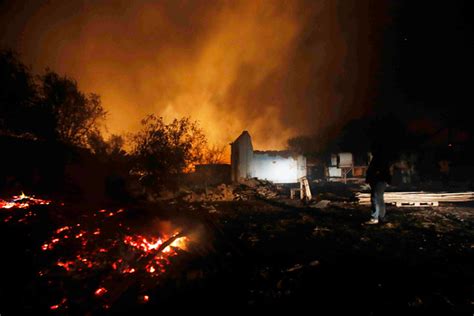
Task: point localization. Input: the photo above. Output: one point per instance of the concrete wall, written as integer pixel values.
(275, 166)
(241, 157)
(278, 168)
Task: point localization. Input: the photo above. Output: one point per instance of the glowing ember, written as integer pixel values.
(22, 201)
(59, 230)
(7, 205)
(143, 243)
(151, 248)
(109, 244)
(101, 242)
(145, 298)
(100, 291)
(54, 307)
(66, 265)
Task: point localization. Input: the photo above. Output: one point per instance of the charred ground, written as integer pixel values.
(263, 255)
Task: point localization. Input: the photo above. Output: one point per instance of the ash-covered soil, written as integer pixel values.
(419, 262)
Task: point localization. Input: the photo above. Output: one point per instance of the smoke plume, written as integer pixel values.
(275, 68)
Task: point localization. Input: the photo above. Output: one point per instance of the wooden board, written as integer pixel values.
(419, 198)
(416, 204)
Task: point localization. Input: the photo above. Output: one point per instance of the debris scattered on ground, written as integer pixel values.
(222, 192)
(267, 253)
(321, 204)
(246, 190)
(210, 208)
(320, 231)
(257, 188)
(295, 268)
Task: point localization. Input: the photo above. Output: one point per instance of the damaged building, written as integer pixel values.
(275, 166)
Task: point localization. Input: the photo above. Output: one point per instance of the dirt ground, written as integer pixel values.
(271, 255)
(419, 262)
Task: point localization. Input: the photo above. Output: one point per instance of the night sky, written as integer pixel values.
(428, 62)
(278, 69)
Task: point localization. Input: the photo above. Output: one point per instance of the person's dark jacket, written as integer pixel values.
(378, 171)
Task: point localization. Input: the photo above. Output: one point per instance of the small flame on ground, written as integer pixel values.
(143, 243)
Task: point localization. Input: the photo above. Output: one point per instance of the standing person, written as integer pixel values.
(378, 177)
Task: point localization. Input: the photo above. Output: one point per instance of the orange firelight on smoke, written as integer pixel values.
(275, 68)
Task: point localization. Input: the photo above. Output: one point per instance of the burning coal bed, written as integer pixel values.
(99, 255)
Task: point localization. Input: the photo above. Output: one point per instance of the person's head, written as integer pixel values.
(384, 153)
(376, 148)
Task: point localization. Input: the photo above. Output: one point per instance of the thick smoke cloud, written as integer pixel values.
(275, 68)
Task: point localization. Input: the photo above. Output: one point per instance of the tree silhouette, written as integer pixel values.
(18, 95)
(162, 151)
(48, 107)
(75, 115)
(214, 154)
(112, 147)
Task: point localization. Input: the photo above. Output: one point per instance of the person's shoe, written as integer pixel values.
(372, 221)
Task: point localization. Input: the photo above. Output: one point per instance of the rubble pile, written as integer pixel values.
(222, 192)
(251, 188)
(248, 189)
